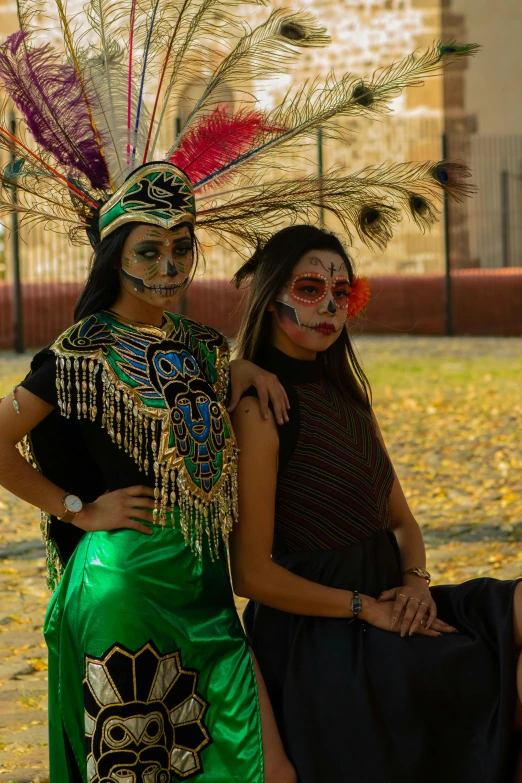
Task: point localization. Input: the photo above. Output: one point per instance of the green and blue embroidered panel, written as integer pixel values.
(159, 393)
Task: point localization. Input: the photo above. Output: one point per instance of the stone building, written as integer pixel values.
(491, 96)
(367, 34)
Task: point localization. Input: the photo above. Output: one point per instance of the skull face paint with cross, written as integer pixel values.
(312, 309)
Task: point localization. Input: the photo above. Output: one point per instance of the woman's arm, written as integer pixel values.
(16, 474)
(244, 374)
(413, 602)
(113, 510)
(254, 573)
(405, 526)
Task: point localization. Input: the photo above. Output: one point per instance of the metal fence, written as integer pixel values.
(472, 259)
(491, 222)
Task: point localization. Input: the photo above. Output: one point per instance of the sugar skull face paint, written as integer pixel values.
(310, 288)
(313, 308)
(156, 263)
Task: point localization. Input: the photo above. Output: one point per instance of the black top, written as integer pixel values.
(68, 464)
(83, 461)
(94, 451)
(290, 372)
(334, 476)
(135, 405)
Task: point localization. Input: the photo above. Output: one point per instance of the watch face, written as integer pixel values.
(73, 503)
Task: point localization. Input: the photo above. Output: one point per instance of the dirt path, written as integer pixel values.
(452, 417)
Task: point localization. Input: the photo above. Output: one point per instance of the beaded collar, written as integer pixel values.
(159, 394)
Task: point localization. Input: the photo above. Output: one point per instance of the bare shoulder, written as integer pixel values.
(250, 425)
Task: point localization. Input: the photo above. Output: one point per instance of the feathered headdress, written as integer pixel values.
(96, 109)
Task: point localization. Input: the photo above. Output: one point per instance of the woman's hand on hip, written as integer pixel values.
(413, 607)
(380, 614)
(244, 374)
(119, 509)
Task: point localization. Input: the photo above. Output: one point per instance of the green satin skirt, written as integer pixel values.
(150, 676)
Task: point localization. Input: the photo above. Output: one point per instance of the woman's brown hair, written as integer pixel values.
(270, 270)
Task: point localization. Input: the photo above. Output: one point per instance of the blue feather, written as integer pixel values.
(140, 98)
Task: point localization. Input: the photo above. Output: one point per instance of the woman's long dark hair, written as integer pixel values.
(103, 284)
(270, 269)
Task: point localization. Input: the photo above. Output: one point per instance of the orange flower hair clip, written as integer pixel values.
(359, 295)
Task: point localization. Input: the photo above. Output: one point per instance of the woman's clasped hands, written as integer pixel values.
(414, 611)
(408, 610)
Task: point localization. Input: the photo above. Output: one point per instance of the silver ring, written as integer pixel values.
(412, 598)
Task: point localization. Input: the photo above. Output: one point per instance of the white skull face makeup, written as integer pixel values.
(156, 264)
(313, 308)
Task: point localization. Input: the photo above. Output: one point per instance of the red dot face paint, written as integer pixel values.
(313, 308)
(309, 288)
(341, 292)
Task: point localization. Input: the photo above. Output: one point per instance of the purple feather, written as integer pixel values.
(49, 95)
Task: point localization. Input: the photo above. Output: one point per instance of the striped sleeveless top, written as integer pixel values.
(334, 477)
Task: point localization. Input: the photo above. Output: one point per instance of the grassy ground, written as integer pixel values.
(451, 414)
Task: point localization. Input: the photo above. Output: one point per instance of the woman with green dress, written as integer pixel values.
(134, 462)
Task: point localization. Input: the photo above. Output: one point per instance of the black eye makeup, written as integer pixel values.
(182, 248)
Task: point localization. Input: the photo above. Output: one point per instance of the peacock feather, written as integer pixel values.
(103, 102)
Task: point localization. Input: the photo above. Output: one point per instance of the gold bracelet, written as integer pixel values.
(420, 572)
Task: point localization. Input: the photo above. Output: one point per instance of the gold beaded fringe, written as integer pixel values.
(142, 432)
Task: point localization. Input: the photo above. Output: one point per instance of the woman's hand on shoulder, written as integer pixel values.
(119, 509)
(244, 374)
(413, 608)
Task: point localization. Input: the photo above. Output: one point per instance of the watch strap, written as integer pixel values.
(356, 604)
(68, 516)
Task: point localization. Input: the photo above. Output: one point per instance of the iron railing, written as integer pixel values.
(41, 273)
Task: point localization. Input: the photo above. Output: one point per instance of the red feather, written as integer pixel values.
(219, 138)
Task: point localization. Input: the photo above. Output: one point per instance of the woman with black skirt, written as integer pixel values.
(373, 676)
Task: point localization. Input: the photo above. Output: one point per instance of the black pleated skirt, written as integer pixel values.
(355, 704)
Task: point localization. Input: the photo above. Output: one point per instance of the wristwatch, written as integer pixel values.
(356, 605)
(421, 572)
(72, 505)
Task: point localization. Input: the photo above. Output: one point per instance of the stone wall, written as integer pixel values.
(492, 90)
(367, 34)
